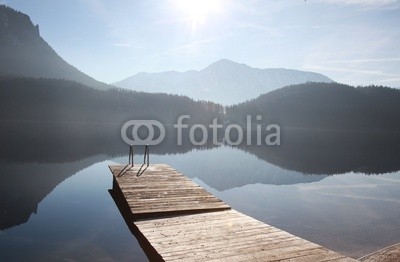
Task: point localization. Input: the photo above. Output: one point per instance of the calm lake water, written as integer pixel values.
(55, 204)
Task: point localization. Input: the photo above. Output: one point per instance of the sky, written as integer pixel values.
(354, 42)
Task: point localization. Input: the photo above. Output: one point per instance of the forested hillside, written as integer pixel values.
(325, 106)
(60, 100)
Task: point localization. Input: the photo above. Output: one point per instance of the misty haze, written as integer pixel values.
(324, 74)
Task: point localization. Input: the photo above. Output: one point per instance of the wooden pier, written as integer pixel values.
(174, 219)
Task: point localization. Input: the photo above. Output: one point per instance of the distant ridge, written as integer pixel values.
(23, 52)
(224, 81)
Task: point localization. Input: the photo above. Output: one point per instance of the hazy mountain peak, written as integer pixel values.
(24, 53)
(16, 28)
(223, 81)
(224, 64)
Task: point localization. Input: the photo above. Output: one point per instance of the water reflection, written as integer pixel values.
(25, 185)
(353, 214)
(333, 152)
(287, 186)
(225, 168)
(126, 213)
(78, 221)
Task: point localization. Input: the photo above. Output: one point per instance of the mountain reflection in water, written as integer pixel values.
(35, 159)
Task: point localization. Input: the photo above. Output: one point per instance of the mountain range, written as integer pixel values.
(64, 119)
(66, 94)
(24, 53)
(224, 82)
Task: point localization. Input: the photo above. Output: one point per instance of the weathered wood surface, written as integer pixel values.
(161, 190)
(224, 235)
(228, 236)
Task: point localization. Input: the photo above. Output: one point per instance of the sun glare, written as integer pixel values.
(197, 11)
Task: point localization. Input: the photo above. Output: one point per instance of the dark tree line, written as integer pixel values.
(60, 100)
(310, 105)
(325, 106)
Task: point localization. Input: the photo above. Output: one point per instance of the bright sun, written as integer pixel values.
(197, 11)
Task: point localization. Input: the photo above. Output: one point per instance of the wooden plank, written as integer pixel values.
(227, 236)
(183, 228)
(161, 190)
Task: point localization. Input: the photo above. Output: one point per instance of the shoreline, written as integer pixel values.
(387, 254)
